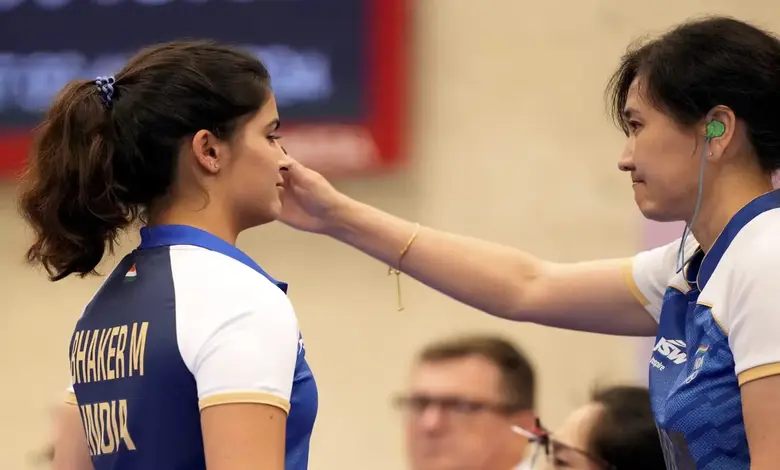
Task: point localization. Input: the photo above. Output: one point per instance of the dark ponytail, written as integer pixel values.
(70, 195)
(95, 168)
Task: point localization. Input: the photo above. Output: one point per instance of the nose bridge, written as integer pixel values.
(282, 155)
(626, 161)
(432, 417)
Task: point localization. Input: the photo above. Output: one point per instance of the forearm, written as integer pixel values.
(487, 276)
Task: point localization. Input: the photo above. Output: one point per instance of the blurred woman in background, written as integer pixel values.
(615, 430)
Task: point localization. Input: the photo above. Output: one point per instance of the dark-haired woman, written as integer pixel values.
(699, 106)
(189, 356)
(613, 431)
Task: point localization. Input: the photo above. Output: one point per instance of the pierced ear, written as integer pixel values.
(205, 147)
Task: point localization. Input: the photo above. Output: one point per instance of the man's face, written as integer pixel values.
(454, 417)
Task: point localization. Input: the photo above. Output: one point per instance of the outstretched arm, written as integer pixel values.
(597, 296)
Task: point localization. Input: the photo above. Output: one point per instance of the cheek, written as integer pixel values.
(262, 153)
(267, 155)
(650, 150)
(679, 174)
(254, 174)
(662, 160)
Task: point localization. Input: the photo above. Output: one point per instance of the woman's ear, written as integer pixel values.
(207, 150)
(719, 127)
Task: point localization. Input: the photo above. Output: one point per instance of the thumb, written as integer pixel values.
(291, 165)
(299, 173)
(296, 175)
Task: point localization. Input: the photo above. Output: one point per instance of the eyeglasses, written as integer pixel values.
(551, 450)
(415, 405)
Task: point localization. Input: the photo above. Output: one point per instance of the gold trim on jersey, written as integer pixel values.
(628, 277)
(758, 372)
(261, 398)
(70, 398)
(712, 314)
(679, 289)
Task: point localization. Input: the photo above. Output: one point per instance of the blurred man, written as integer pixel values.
(464, 396)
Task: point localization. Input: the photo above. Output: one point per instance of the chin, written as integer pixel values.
(658, 216)
(654, 211)
(275, 210)
(270, 214)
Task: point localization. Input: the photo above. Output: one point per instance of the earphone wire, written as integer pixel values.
(681, 260)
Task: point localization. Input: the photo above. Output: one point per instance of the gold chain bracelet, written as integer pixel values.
(397, 270)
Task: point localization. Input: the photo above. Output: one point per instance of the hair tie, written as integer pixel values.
(105, 86)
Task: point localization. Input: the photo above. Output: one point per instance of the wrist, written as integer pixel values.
(340, 217)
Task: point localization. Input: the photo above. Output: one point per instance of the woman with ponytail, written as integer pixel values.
(189, 355)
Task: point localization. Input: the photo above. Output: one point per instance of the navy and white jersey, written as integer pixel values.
(718, 329)
(185, 322)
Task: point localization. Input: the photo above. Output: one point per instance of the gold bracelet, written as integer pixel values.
(397, 271)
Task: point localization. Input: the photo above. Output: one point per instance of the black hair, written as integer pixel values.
(705, 63)
(625, 434)
(95, 167)
(517, 373)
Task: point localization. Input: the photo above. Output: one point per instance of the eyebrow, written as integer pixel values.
(274, 125)
(629, 112)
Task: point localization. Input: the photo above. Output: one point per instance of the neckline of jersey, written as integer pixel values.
(170, 235)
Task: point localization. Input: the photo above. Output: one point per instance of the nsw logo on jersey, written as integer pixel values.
(668, 351)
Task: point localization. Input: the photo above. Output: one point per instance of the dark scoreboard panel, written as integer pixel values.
(338, 67)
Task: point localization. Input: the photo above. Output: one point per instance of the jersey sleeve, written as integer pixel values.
(751, 318)
(650, 272)
(242, 349)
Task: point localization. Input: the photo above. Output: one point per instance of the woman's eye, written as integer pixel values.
(633, 126)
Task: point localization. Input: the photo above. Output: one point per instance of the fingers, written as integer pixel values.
(296, 171)
(293, 164)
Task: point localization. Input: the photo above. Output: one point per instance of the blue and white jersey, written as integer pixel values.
(185, 322)
(718, 329)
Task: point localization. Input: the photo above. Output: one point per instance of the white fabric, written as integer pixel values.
(237, 332)
(655, 270)
(744, 293)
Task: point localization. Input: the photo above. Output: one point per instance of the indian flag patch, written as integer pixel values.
(131, 273)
